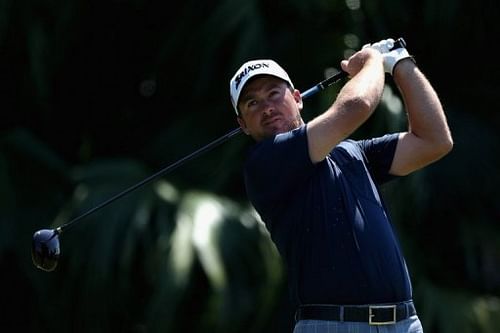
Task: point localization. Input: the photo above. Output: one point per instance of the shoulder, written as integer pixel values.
(279, 146)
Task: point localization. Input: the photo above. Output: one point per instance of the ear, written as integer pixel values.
(298, 99)
(243, 125)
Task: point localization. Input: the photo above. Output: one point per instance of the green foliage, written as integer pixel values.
(158, 260)
(89, 89)
(456, 310)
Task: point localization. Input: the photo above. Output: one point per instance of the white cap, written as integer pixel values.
(251, 69)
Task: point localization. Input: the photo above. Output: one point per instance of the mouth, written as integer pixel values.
(270, 121)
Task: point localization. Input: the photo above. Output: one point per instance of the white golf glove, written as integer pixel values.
(391, 57)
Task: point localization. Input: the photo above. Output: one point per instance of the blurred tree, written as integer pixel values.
(89, 89)
(158, 260)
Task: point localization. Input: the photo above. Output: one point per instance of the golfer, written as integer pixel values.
(317, 191)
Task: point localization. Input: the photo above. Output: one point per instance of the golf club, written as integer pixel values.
(45, 249)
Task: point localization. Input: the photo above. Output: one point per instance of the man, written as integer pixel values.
(317, 191)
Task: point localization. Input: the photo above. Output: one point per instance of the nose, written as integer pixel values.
(268, 108)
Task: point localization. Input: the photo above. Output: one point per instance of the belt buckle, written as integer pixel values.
(371, 314)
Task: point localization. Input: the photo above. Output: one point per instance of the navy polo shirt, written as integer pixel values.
(328, 220)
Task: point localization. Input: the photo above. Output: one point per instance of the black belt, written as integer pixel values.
(379, 314)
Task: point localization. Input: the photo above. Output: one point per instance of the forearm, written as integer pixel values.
(365, 89)
(426, 118)
(353, 106)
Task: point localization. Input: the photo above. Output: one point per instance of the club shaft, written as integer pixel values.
(324, 84)
(147, 180)
(317, 88)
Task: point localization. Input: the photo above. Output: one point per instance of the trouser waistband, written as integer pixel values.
(377, 314)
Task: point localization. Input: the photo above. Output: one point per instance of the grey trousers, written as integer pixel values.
(410, 325)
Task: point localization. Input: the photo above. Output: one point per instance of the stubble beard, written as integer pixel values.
(294, 124)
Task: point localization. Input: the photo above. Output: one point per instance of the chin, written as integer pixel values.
(276, 131)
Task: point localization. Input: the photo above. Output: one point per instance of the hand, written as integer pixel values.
(359, 59)
(391, 57)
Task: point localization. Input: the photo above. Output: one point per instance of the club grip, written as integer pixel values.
(399, 43)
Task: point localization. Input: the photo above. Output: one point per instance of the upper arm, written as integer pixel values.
(413, 153)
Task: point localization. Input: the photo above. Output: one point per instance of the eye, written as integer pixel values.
(275, 93)
(251, 102)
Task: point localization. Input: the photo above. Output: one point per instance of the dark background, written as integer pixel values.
(97, 95)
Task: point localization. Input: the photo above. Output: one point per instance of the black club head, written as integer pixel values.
(45, 249)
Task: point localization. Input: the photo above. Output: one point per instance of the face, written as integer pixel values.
(268, 107)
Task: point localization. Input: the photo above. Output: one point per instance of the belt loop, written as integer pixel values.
(341, 314)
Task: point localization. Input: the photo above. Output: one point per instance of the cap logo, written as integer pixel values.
(247, 70)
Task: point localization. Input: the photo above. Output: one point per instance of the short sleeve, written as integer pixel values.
(379, 154)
